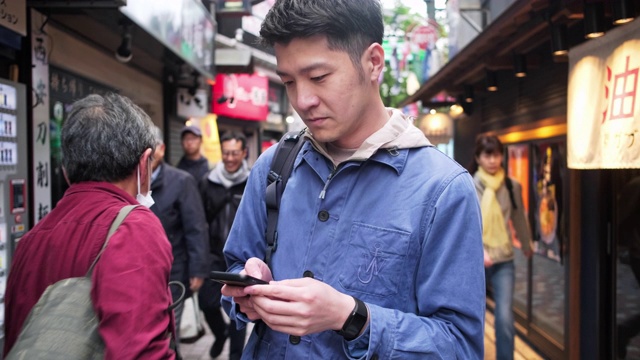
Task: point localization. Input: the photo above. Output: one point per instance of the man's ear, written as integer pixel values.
(145, 165)
(374, 61)
(66, 177)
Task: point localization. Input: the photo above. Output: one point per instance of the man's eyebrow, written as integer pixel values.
(304, 70)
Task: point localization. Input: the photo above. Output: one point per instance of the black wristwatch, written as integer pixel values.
(355, 322)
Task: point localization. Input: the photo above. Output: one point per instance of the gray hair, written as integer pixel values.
(157, 134)
(104, 137)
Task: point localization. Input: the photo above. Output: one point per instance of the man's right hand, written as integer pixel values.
(258, 269)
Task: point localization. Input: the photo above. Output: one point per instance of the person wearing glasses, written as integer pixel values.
(221, 191)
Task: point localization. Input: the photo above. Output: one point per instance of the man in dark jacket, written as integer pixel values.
(221, 192)
(192, 161)
(179, 208)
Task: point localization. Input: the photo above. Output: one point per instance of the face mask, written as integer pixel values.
(144, 200)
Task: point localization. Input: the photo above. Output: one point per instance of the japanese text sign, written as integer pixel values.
(603, 115)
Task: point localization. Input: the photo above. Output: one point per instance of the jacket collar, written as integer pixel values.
(159, 180)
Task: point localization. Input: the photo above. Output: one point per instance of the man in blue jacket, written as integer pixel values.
(379, 248)
(179, 208)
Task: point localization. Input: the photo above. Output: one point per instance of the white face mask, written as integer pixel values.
(144, 200)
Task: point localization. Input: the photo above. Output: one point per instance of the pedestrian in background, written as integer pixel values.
(193, 161)
(221, 191)
(379, 240)
(179, 208)
(497, 211)
(107, 143)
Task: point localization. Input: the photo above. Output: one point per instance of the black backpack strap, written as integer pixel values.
(114, 226)
(509, 184)
(279, 172)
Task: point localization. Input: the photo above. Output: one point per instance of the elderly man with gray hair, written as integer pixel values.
(107, 144)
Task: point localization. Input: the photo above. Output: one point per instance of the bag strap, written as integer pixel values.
(114, 226)
(279, 172)
(509, 184)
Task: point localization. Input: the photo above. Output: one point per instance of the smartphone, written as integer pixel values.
(234, 279)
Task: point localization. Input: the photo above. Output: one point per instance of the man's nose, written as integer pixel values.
(306, 97)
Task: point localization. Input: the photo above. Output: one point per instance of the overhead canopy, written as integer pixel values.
(521, 28)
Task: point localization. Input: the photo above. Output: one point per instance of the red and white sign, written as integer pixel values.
(241, 96)
(425, 36)
(603, 105)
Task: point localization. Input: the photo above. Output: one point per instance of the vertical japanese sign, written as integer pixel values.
(41, 183)
(603, 117)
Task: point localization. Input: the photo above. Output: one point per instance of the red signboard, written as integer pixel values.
(241, 96)
(425, 36)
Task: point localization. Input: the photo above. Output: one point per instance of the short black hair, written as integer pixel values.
(234, 135)
(349, 25)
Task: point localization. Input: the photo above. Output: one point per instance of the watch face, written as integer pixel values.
(356, 321)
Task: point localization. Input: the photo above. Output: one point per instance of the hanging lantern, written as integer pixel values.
(438, 128)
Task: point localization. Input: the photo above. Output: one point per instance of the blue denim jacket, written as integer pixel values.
(403, 235)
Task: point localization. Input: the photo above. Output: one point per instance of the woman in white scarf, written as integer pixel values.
(498, 207)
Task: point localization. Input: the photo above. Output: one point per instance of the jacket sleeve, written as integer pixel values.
(194, 225)
(519, 220)
(130, 293)
(450, 286)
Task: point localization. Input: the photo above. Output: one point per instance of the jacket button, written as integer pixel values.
(308, 273)
(323, 215)
(295, 340)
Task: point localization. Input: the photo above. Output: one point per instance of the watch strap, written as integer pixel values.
(355, 322)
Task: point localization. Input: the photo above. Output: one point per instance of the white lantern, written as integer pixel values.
(438, 128)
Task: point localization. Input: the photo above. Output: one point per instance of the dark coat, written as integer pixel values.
(220, 206)
(197, 168)
(179, 208)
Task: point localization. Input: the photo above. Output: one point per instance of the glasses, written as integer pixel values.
(232, 153)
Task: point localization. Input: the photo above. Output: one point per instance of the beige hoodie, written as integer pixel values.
(398, 132)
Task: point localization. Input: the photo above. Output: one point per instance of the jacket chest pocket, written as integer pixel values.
(375, 260)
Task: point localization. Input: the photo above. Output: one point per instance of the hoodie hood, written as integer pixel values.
(399, 132)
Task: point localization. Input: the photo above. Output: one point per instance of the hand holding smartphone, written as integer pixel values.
(234, 279)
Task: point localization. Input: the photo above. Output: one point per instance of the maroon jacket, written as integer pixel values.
(130, 293)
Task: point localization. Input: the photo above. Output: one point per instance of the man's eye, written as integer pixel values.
(318, 78)
(287, 83)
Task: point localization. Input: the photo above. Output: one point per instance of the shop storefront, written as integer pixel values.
(80, 49)
(14, 170)
(575, 298)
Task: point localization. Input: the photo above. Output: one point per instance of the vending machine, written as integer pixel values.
(14, 219)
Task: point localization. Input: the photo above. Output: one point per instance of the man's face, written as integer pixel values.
(329, 93)
(232, 155)
(191, 143)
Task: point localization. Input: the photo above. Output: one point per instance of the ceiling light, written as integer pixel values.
(491, 81)
(520, 65)
(623, 11)
(593, 20)
(559, 39)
